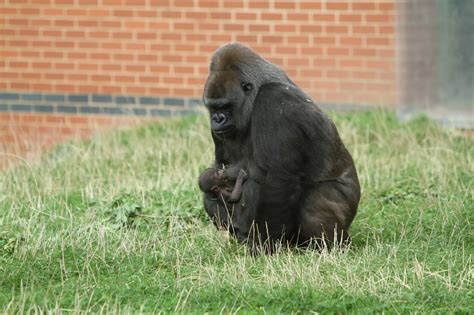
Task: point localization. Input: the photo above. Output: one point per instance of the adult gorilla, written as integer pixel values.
(302, 184)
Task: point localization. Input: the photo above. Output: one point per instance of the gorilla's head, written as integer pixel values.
(236, 75)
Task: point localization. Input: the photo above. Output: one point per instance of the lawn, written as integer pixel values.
(116, 224)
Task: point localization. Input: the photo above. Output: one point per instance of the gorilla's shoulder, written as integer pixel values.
(279, 89)
(286, 109)
(287, 100)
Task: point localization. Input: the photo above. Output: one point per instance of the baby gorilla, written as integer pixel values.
(215, 181)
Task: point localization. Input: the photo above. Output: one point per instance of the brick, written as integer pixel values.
(174, 101)
(54, 76)
(312, 51)
(378, 18)
(326, 63)
(124, 79)
(284, 5)
(123, 13)
(330, 5)
(9, 75)
(259, 28)
(350, 17)
(18, 22)
(386, 30)
(363, 6)
(43, 108)
(147, 14)
(184, 3)
(65, 88)
(88, 66)
(351, 41)
(183, 26)
(89, 109)
(234, 4)
(138, 2)
(133, 89)
(111, 67)
(363, 29)
(147, 35)
(7, 32)
(300, 17)
(336, 29)
(333, 51)
(78, 98)
(272, 39)
(111, 24)
(349, 63)
(220, 15)
(171, 14)
(8, 11)
(20, 86)
(298, 39)
(64, 44)
(9, 96)
(324, 40)
(259, 4)
(366, 52)
(66, 109)
(31, 97)
(337, 74)
(311, 28)
(198, 15)
(271, 16)
(54, 97)
(377, 64)
(310, 5)
(378, 41)
(64, 23)
(30, 33)
(125, 99)
(249, 39)
(286, 50)
(233, 27)
(112, 110)
(20, 107)
(367, 75)
(150, 100)
(386, 6)
(324, 17)
(101, 98)
(147, 57)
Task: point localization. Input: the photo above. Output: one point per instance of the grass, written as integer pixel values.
(116, 224)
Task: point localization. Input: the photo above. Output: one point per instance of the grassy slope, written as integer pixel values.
(62, 248)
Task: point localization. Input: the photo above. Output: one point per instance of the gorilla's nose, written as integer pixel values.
(220, 118)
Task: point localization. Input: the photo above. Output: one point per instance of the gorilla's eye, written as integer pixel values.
(246, 87)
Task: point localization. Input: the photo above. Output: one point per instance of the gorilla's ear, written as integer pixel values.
(246, 87)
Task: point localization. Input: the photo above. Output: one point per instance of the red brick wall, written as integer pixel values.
(339, 52)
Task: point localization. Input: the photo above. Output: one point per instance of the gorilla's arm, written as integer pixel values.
(236, 193)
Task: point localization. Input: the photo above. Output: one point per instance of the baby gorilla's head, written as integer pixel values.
(212, 180)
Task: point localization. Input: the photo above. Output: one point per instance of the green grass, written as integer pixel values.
(116, 224)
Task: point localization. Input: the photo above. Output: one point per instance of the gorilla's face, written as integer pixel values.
(236, 75)
(228, 97)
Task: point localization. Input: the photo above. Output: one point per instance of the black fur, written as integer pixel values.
(302, 184)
